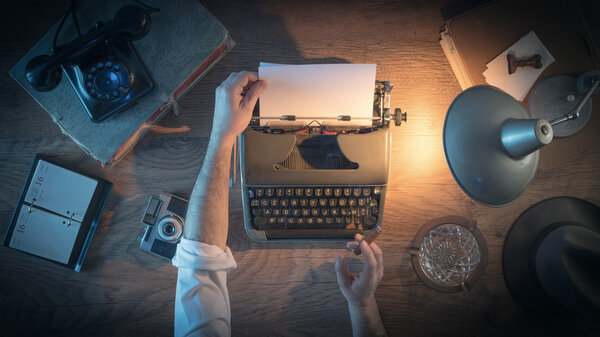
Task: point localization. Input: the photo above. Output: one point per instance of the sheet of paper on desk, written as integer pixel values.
(518, 83)
(318, 90)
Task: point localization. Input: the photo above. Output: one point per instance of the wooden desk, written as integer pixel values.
(278, 288)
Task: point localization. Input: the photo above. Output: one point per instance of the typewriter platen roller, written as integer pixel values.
(346, 163)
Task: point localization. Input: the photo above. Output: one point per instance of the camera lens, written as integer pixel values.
(169, 228)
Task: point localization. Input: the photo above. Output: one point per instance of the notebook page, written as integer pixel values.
(44, 234)
(318, 90)
(60, 190)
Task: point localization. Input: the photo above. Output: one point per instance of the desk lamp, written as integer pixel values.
(491, 143)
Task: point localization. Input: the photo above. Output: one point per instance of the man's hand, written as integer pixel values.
(359, 290)
(207, 218)
(234, 101)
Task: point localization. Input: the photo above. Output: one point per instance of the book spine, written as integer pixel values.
(456, 62)
(196, 75)
(213, 59)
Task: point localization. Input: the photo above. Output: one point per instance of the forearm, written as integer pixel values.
(366, 320)
(207, 217)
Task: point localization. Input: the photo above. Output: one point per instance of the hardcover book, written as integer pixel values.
(184, 42)
(473, 36)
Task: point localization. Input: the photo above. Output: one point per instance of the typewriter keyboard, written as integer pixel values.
(325, 207)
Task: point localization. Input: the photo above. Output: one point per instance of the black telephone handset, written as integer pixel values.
(102, 65)
(131, 22)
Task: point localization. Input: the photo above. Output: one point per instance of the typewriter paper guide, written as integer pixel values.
(318, 90)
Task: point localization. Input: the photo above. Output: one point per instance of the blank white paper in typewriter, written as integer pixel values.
(51, 215)
(318, 90)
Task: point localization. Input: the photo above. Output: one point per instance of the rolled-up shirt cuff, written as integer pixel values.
(201, 256)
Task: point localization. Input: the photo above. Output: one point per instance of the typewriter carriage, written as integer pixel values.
(382, 117)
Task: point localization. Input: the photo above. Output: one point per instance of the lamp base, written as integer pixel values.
(556, 96)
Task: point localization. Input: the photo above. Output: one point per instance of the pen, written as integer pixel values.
(370, 238)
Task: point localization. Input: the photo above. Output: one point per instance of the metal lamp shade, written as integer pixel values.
(476, 155)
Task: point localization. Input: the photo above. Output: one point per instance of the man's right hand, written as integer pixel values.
(359, 290)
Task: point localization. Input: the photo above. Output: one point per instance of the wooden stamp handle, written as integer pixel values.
(535, 61)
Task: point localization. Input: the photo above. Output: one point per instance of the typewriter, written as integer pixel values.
(317, 182)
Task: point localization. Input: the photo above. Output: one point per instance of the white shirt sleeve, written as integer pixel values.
(201, 298)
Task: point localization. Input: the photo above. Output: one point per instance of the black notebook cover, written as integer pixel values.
(57, 214)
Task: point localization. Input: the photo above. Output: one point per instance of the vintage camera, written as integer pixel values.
(164, 219)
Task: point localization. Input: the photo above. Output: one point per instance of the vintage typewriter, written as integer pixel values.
(317, 181)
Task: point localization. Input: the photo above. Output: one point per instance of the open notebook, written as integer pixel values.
(58, 213)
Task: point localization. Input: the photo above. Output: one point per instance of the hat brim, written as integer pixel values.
(519, 251)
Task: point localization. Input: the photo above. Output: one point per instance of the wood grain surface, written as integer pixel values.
(278, 288)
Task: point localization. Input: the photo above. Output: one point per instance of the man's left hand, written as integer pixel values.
(235, 99)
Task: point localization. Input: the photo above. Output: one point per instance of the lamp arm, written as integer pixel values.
(574, 114)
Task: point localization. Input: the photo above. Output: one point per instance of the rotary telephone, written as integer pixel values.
(101, 65)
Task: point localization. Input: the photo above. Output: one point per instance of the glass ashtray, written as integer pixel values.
(449, 254)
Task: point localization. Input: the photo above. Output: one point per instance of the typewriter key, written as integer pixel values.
(260, 222)
(370, 220)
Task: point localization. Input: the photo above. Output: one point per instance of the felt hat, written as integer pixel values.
(551, 262)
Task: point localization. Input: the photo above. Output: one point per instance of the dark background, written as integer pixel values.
(278, 288)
